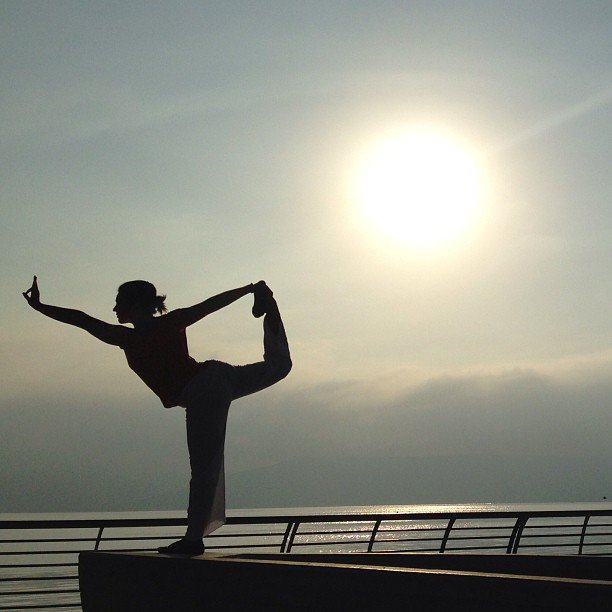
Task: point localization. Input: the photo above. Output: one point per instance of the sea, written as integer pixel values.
(47, 577)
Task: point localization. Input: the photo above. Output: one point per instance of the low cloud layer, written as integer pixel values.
(514, 412)
(58, 455)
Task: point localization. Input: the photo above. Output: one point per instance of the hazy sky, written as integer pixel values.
(205, 145)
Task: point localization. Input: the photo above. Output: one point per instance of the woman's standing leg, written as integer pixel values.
(206, 425)
(207, 402)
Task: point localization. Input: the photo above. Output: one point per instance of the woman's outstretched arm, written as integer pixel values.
(111, 334)
(192, 314)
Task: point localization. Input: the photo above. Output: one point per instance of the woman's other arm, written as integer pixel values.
(192, 314)
(111, 334)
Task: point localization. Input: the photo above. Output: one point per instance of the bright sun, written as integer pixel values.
(421, 188)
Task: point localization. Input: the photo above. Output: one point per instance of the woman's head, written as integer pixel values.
(138, 296)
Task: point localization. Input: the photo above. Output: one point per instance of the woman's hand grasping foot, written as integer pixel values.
(263, 299)
(32, 295)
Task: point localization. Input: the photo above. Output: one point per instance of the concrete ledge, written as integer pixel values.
(560, 566)
(139, 581)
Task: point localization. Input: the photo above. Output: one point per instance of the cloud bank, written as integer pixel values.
(365, 440)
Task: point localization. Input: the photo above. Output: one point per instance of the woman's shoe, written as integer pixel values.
(190, 548)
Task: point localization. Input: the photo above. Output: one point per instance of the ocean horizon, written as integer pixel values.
(315, 510)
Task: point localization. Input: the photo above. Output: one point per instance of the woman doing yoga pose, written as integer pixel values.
(156, 349)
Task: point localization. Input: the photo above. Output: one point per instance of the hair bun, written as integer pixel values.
(160, 306)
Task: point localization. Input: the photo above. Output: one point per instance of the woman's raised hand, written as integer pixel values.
(32, 295)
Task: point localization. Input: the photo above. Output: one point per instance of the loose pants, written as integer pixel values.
(207, 398)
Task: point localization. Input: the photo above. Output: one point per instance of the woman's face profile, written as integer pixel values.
(122, 309)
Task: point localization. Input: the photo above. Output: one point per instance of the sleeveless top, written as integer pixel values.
(160, 357)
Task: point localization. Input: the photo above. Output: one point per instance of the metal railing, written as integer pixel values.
(38, 558)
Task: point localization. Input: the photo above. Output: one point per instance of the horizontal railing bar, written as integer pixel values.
(126, 539)
(549, 535)
(25, 565)
(283, 519)
(309, 533)
(335, 543)
(166, 537)
(334, 531)
(37, 578)
(150, 537)
(39, 540)
(220, 547)
(400, 529)
(492, 536)
(230, 534)
(424, 541)
(477, 538)
(90, 523)
(552, 545)
(398, 540)
(416, 550)
(224, 546)
(492, 547)
(456, 548)
(41, 607)
(359, 536)
(561, 545)
(42, 592)
(244, 534)
(362, 534)
(272, 534)
(525, 528)
(13, 553)
(574, 528)
(524, 544)
(524, 537)
(478, 514)
(327, 543)
(443, 528)
(278, 534)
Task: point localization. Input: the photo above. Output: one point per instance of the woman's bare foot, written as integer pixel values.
(190, 548)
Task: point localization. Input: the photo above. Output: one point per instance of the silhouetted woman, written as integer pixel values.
(156, 349)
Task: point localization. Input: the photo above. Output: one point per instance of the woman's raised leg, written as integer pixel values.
(276, 363)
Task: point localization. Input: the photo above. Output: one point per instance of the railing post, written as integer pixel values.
(515, 536)
(451, 522)
(286, 536)
(294, 529)
(373, 536)
(583, 533)
(99, 538)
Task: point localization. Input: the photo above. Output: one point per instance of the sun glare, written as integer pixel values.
(420, 188)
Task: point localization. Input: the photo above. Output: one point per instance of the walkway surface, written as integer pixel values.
(112, 581)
